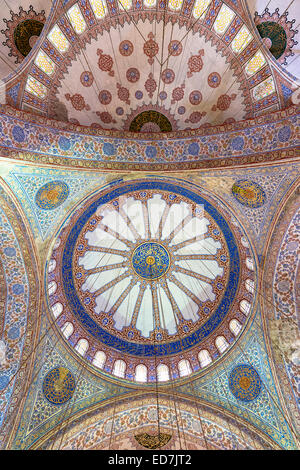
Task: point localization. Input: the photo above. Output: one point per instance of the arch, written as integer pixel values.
(82, 346)
(245, 306)
(119, 368)
(52, 286)
(204, 358)
(249, 284)
(221, 344)
(184, 368)
(235, 326)
(250, 264)
(99, 359)
(67, 329)
(141, 373)
(162, 373)
(52, 265)
(57, 309)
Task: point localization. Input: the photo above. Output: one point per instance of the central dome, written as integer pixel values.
(149, 269)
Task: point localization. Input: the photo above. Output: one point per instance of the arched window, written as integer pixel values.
(235, 327)
(140, 373)
(52, 265)
(221, 344)
(119, 368)
(175, 4)
(56, 244)
(99, 8)
(150, 3)
(163, 373)
(249, 285)
(57, 309)
(200, 7)
(245, 306)
(204, 358)
(82, 346)
(245, 242)
(184, 368)
(99, 359)
(67, 329)
(249, 264)
(52, 286)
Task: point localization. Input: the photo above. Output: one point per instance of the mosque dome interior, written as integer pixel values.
(149, 225)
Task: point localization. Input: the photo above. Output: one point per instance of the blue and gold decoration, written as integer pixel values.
(59, 385)
(150, 260)
(249, 193)
(51, 195)
(245, 383)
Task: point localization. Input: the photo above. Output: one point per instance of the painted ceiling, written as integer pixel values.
(149, 225)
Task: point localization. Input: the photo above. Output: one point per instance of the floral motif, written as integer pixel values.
(178, 93)
(195, 63)
(123, 93)
(168, 76)
(52, 195)
(150, 85)
(214, 79)
(126, 48)
(132, 75)
(195, 117)
(223, 102)
(195, 97)
(86, 78)
(151, 48)
(105, 117)
(105, 97)
(105, 62)
(78, 102)
(175, 48)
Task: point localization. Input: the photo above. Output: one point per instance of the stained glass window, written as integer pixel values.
(76, 19)
(44, 62)
(125, 4)
(150, 3)
(264, 89)
(175, 4)
(241, 40)
(200, 8)
(35, 87)
(99, 8)
(58, 39)
(255, 63)
(223, 20)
